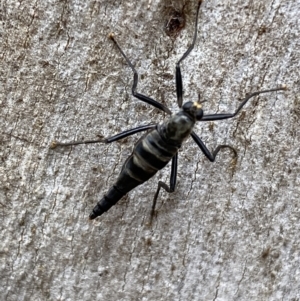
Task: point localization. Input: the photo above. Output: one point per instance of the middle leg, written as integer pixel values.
(139, 96)
(116, 137)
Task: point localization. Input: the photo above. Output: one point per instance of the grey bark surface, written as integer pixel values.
(231, 229)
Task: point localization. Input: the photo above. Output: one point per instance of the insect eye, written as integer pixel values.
(187, 106)
(199, 114)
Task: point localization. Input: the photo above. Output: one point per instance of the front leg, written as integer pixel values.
(178, 77)
(213, 117)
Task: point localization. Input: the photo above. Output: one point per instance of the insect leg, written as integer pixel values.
(178, 71)
(161, 184)
(212, 117)
(141, 97)
(210, 156)
(119, 136)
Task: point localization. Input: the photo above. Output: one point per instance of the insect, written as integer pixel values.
(161, 143)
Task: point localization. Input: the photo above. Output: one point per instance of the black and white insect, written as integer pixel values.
(161, 143)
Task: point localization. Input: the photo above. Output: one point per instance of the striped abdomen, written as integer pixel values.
(150, 154)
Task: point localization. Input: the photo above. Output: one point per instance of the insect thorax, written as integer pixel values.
(177, 128)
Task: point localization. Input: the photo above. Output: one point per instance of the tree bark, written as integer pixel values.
(231, 229)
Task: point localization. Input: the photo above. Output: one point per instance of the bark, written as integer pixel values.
(231, 229)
